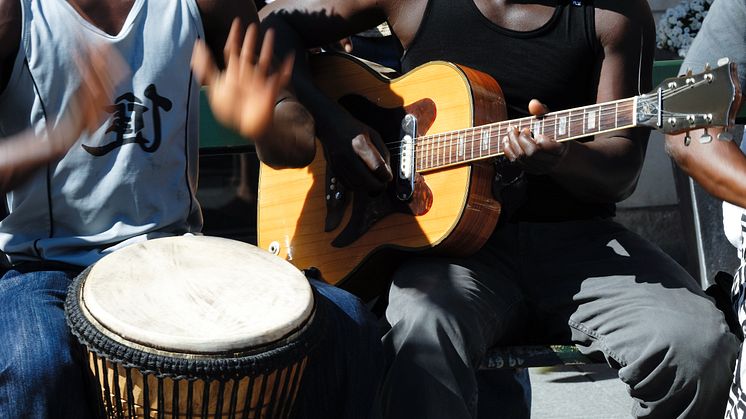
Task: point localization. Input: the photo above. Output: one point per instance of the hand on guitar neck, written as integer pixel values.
(537, 154)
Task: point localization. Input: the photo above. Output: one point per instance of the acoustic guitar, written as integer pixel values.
(442, 123)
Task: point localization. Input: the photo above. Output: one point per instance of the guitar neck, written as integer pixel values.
(476, 143)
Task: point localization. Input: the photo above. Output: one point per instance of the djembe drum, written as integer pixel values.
(195, 327)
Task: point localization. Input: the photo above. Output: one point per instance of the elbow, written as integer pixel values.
(293, 137)
(303, 138)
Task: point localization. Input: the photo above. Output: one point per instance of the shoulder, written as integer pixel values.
(623, 21)
(221, 11)
(10, 37)
(10, 25)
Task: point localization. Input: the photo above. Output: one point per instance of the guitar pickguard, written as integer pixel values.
(366, 209)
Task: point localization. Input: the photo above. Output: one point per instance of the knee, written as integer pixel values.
(427, 329)
(696, 347)
(344, 306)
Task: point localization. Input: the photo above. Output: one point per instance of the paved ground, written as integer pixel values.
(578, 392)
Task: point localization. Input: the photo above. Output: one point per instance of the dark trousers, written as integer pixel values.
(590, 282)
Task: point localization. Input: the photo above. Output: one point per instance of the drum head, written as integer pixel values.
(196, 294)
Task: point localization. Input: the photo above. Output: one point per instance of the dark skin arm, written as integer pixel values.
(355, 151)
(22, 154)
(718, 166)
(248, 95)
(607, 168)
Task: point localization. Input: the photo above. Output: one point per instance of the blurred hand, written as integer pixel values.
(536, 154)
(243, 96)
(101, 70)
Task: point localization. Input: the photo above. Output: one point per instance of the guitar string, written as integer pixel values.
(575, 116)
(474, 134)
(445, 139)
(625, 102)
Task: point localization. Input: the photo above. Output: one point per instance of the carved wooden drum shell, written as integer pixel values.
(195, 327)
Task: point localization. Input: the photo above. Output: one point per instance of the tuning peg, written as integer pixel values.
(705, 138)
(707, 67)
(723, 61)
(689, 77)
(687, 139)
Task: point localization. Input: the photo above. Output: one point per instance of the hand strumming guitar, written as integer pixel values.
(356, 153)
(536, 154)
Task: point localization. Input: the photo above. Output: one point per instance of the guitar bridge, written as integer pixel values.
(407, 168)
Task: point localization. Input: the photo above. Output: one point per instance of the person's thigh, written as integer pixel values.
(343, 374)
(444, 314)
(40, 369)
(625, 298)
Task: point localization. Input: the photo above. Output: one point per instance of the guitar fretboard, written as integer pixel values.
(456, 147)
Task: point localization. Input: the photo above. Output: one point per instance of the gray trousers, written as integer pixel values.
(592, 282)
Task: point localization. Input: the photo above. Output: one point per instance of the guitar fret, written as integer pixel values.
(461, 147)
(591, 116)
(487, 137)
(447, 140)
(563, 123)
(432, 152)
(616, 114)
(441, 149)
(425, 150)
(549, 129)
(606, 120)
(421, 150)
(627, 113)
(577, 127)
(536, 129)
(449, 148)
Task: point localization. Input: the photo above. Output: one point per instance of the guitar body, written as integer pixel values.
(292, 205)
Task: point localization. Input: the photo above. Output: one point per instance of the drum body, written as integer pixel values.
(195, 327)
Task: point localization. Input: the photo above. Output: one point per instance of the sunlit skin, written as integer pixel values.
(248, 96)
(291, 129)
(101, 69)
(718, 166)
(243, 95)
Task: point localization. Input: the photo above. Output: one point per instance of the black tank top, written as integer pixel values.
(554, 63)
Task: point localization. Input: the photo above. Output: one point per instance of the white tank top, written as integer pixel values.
(135, 177)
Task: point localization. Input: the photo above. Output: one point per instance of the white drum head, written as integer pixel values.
(196, 294)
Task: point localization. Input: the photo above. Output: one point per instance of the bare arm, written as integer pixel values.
(10, 38)
(21, 155)
(354, 151)
(243, 97)
(719, 166)
(607, 168)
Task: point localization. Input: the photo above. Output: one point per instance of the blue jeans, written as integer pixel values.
(42, 375)
(40, 372)
(342, 377)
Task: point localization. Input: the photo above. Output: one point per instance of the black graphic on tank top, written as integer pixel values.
(129, 122)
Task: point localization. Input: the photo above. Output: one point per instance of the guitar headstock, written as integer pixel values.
(691, 101)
